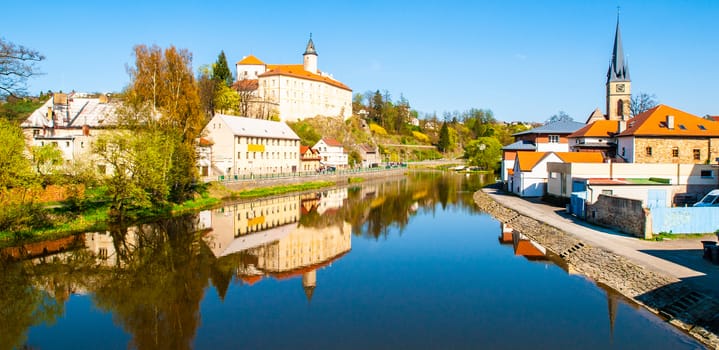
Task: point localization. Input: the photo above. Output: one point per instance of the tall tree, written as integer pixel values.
(206, 89)
(642, 102)
(444, 138)
(163, 80)
(221, 71)
(17, 64)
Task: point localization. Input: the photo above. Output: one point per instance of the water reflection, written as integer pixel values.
(168, 283)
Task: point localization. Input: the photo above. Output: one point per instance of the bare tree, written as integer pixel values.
(17, 63)
(561, 116)
(642, 102)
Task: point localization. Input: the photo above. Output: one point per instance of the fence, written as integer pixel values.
(685, 220)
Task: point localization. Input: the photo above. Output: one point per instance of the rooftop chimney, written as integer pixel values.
(86, 130)
(622, 126)
(670, 122)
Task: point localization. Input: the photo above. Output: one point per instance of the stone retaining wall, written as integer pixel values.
(625, 214)
(696, 313)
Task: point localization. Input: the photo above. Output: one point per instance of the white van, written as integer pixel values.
(710, 200)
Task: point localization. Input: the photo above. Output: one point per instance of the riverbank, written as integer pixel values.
(609, 262)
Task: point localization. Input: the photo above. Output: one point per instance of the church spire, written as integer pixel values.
(618, 67)
(310, 50)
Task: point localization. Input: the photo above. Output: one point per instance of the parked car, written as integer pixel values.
(710, 200)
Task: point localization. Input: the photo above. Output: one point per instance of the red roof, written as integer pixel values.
(655, 122)
(331, 142)
(246, 85)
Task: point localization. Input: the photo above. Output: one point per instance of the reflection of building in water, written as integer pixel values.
(271, 242)
(332, 199)
(102, 245)
(241, 219)
(522, 244)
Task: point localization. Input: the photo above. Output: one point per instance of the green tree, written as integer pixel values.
(483, 152)
(17, 64)
(307, 133)
(163, 80)
(221, 71)
(354, 158)
(15, 170)
(141, 164)
(444, 142)
(226, 99)
(46, 160)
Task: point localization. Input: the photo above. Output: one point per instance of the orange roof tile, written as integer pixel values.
(580, 157)
(331, 142)
(653, 122)
(298, 71)
(527, 160)
(599, 128)
(526, 248)
(251, 59)
(303, 149)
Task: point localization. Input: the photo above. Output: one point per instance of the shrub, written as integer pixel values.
(420, 136)
(377, 129)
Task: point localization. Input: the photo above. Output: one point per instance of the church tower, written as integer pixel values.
(618, 82)
(310, 56)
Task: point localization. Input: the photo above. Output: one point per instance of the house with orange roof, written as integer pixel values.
(529, 176)
(665, 134)
(292, 91)
(598, 136)
(310, 159)
(332, 153)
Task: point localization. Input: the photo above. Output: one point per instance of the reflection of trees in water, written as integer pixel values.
(394, 202)
(157, 292)
(22, 305)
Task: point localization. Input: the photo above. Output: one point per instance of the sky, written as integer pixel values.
(524, 60)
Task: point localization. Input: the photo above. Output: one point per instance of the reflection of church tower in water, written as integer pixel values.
(309, 282)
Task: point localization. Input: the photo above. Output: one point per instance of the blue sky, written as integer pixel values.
(524, 60)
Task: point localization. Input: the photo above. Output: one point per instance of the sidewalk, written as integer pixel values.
(680, 258)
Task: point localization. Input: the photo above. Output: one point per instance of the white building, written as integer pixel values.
(294, 91)
(246, 146)
(332, 152)
(71, 123)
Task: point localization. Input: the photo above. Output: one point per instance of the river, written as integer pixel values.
(407, 262)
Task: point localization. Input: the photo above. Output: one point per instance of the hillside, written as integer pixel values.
(356, 131)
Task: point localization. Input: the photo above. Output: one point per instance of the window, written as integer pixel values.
(624, 151)
(649, 151)
(553, 138)
(697, 153)
(702, 127)
(675, 152)
(707, 174)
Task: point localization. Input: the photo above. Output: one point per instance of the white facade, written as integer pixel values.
(297, 91)
(331, 153)
(246, 147)
(625, 148)
(552, 147)
(532, 183)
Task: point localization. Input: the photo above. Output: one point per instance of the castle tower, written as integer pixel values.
(618, 82)
(310, 57)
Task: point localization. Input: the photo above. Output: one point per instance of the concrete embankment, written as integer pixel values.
(667, 296)
(338, 177)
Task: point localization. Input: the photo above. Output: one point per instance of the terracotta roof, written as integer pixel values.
(205, 142)
(526, 248)
(246, 85)
(714, 118)
(527, 160)
(599, 128)
(299, 271)
(331, 142)
(250, 280)
(251, 59)
(653, 122)
(303, 149)
(298, 71)
(580, 157)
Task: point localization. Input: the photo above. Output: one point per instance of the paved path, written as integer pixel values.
(681, 258)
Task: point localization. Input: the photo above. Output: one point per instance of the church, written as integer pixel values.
(291, 92)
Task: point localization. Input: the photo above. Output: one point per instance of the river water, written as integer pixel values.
(402, 263)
